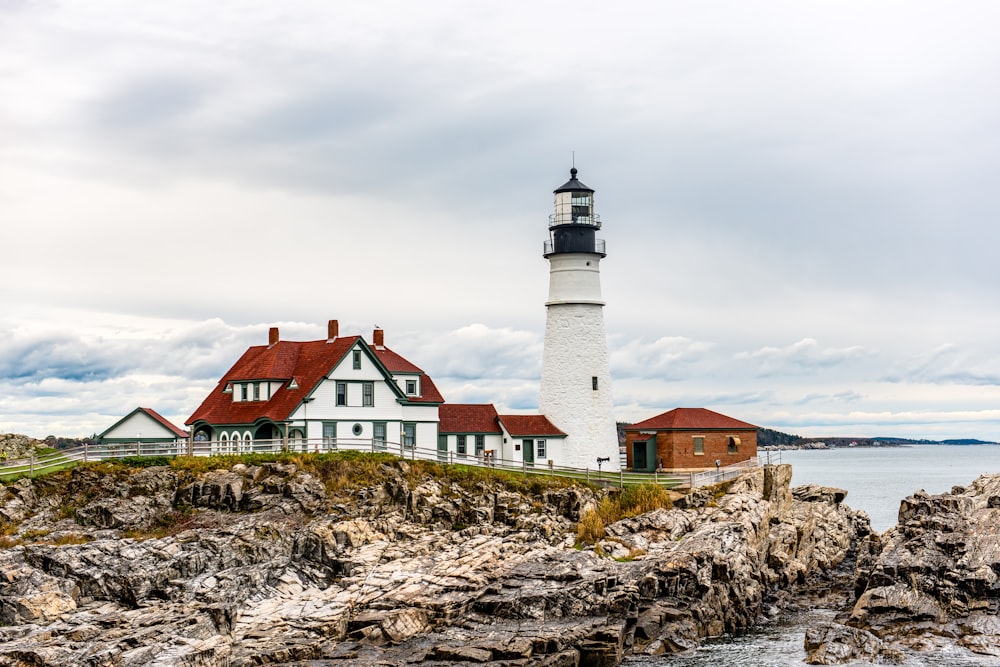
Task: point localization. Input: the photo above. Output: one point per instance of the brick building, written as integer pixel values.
(689, 438)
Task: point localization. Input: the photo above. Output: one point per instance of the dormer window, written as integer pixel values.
(243, 391)
(256, 391)
(411, 387)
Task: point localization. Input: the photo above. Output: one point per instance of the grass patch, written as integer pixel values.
(170, 523)
(631, 501)
(34, 535)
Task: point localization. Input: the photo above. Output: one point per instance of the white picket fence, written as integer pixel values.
(65, 458)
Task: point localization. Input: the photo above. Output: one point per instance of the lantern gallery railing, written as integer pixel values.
(568, 218)
(67, 458)
(599, 247)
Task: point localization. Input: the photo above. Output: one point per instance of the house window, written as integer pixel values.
(480, 444)
(409, 435)
(460, 447)
(411, 387)
(243, 392)
(330, 435)
(357, 360)
(593, 383)
(540, 449)
(256, 391)
(341, 393)
(357, 429)
(378, 435)
(734, 445)
(699, 445)
(367, 394)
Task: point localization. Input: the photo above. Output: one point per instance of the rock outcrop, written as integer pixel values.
(269, 565)
(930, 582)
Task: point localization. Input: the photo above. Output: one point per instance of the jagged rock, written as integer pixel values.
(934, 577)
(832, 644)
(137, 513)
(14, 446)
(814, 493)
(259, 565)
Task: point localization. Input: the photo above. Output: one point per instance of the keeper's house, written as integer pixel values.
(316, 393)
(689, 439)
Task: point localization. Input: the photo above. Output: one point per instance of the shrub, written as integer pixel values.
(590, 529)
(629, 502)
(636, 500)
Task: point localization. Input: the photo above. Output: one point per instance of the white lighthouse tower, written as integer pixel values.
(576, 380)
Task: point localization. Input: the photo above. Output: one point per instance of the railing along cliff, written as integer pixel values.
(69, 457)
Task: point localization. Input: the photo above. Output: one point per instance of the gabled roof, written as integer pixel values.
(307, 363)
(526, 425)
(153, 414)
(467, 418)
(178, 431)
(691, 418)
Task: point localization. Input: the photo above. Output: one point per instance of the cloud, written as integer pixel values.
(947, 364)
(667, 358)
(475, 352)
(804, 356)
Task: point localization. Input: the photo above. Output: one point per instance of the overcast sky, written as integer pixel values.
(800, 200)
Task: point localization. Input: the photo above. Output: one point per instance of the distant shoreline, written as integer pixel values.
(820, 446)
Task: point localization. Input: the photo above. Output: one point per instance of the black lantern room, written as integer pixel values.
(573, 226)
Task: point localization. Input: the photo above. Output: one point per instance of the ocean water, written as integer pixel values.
(876, 479)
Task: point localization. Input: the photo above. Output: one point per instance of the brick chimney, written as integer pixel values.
(272, 337)
(378, 338)
(332, 330)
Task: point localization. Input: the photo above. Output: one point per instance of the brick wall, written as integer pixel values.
(675, 449)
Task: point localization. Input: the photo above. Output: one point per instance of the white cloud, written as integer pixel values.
(800, 174)
(804, 356)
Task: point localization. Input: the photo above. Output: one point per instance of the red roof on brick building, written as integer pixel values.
(525, 425)
(691, 419)
(468, 418)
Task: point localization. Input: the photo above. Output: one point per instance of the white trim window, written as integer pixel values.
(539, 449)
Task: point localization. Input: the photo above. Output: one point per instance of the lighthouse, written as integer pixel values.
(576, 379)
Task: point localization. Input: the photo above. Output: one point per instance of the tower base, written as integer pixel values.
(574, 361)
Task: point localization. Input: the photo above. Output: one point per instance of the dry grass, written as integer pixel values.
(631, 501)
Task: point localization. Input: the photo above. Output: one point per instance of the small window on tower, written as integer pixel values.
(593, 381)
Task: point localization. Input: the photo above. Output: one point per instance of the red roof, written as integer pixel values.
(179, 432)
(522, 425)
(468, 418)
(691, 418)
(307, 363)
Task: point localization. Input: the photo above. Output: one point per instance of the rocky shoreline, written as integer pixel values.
(272, 565)
(932, 582)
